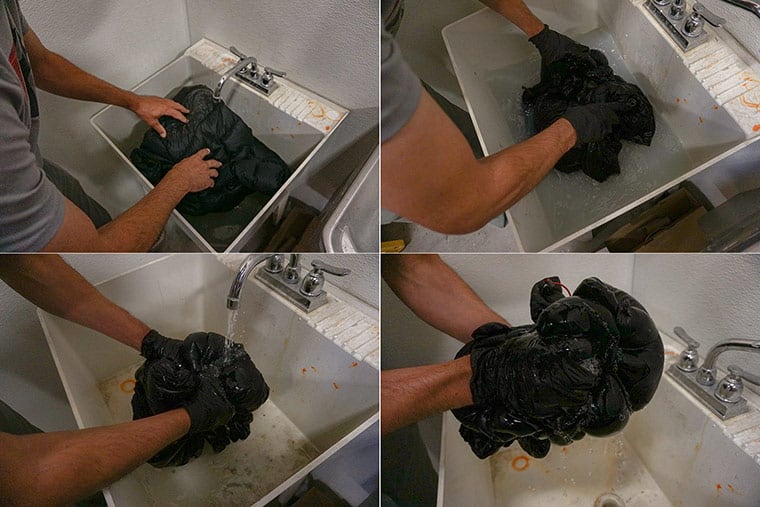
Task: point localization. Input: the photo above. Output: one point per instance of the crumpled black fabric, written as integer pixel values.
(165, 384)
(586, 78)
(584, 366)
(247, 164)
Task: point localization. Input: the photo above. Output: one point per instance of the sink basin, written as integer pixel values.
(322, 396)
(349, 226)
(671, 453)
(702, 102)
(294, 122)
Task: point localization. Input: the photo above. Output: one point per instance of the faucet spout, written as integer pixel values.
(706, 374)
(250, 262)
(243, 63)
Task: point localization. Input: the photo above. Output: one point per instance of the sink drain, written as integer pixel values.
(609, 500)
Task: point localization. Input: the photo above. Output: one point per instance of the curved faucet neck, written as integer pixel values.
(250, 262)
(712, 355)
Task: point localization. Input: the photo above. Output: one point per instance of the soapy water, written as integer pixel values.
(573, 201)
(240, 475)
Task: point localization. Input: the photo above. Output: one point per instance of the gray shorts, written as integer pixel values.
(69, 186)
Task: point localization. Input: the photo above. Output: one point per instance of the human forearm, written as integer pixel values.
(518, 13)
(62, 467)
(430, 175)
(412, 394)
(137, 229)
(48, 282)
(55, 74)
(436, 294)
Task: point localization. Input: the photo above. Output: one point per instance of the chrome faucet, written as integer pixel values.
(706, 374)
(247, 69)
(241, 66)
(309, 294)
(725, 399)
(274, 265)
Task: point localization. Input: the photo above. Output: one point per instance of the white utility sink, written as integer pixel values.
(292, 121)
(702, 102)
(672, 453)
(321, 395)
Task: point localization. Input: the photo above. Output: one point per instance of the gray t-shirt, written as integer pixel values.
(401, 88)
(31, 208)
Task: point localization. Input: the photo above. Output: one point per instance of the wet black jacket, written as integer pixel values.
(248, 165)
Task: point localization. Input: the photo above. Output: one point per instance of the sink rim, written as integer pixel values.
(294, 478)
(275, 204)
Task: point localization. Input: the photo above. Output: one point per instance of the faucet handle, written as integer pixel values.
(237, 53)
(327, 268)
(275, 263)
(708, 15)
(274, 72)
(684, 336)
(314, 281)
(741, 372)
(730, 388)
(689, 359)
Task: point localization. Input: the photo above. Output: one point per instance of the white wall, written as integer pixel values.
(714, 297)
(29, 380)
(122, 42)
(329, 46)
(504, 283)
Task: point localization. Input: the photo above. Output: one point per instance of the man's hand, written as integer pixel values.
(150, 108)
(209, 409)
(593, 122)
(196, 172)
(553, 46)
(157, 346)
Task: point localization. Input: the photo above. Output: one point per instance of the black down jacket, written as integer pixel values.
(247, 165)
(576, 80)
(584, 366)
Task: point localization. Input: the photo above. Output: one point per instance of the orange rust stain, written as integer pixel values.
(678, 100)
(752, 105)
(701, 120)
(731, 488)
(685, 101)
(716, 108)
(336, 386)
(671, 353)
(327, 127)
(697, 447)
(303, 371)
(756, 128)
(128, 386)
(564, 450)
(354, 364)
(520, 463)
(718, 487)
(314, 369)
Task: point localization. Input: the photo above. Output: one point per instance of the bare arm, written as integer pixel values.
(62, 467)
(136, 229)
(412, 394)
(518, 13)
(50, 283)
(57, 75)
(436, 294)
(431, 176)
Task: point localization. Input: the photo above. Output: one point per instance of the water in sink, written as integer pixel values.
(240, 475)
(572, 201)
(579, 474)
